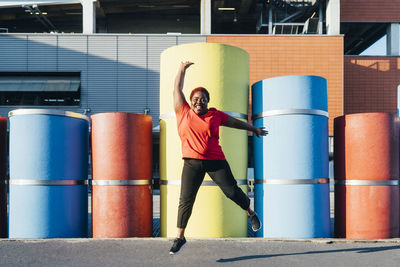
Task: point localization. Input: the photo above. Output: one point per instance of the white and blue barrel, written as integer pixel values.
(291, 163)
(48, 195)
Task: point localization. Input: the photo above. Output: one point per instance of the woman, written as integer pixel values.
(198, 128)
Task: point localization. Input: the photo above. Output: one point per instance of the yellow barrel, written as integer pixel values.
(224, 71)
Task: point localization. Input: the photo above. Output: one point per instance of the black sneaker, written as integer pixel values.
(178, 244)
(255, 222)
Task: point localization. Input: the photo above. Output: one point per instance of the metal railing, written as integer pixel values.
(288, 28)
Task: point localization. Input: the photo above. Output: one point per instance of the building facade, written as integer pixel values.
(117, 68)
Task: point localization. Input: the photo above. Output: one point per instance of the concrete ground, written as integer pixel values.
(204, 252)
(199, 252)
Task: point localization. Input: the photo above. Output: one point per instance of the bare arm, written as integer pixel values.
(179, 97)
(238, 124)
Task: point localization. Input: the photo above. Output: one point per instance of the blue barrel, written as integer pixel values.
(48, 174)
(291, 163)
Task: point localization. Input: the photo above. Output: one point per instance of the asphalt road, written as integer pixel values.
(205, 252)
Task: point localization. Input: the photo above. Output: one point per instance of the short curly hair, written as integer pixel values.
(202, 90)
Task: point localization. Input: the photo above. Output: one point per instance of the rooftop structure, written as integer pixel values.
(361, 23)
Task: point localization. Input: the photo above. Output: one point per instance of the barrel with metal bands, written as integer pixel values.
(224, 71)
(291, 162)
(366, 156)
(122, 175)
(48, 174)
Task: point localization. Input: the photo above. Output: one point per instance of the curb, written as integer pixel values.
(244, 240)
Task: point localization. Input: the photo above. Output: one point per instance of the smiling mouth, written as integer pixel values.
(198, 108)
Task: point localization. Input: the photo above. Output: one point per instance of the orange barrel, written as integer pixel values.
(122, 204)
(3, 186)
(366, 164)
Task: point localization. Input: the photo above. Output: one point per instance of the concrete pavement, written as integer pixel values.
(199, 252)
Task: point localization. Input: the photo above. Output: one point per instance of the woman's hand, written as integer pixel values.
(259, 131)
(185, 65)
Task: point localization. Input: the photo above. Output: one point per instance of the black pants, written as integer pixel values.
(193, 174)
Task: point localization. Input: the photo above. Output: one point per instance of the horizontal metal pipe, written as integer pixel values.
(47, 182)
(121, 182)
(292, 181)
(205, 183)
(277, 112)
(367, 182)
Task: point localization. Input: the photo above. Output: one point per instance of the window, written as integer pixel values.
(39, 89)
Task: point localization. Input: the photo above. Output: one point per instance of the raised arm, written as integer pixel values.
(179, 97)
(238, 124)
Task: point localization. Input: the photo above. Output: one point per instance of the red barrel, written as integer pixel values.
(3, 186)
(122, 204)
(366, 162)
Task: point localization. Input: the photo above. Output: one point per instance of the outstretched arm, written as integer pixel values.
(238, 124)
(179, 97)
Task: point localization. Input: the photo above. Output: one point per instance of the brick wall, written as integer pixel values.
(370, 10)
(272, 56)
(371, 84)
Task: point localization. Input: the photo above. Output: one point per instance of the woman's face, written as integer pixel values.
(199, 103)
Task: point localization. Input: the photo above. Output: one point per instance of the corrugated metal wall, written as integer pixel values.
(118, 72)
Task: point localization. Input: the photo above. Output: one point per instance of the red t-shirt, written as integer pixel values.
(200, 134)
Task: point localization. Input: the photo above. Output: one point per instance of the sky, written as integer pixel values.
(377, 49)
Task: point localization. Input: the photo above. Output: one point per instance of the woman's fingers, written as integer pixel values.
(186, 64)
(261, 132)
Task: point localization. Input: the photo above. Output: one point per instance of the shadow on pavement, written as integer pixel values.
(358, 250)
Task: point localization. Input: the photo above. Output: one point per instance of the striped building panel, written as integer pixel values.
(13, 53)
(191, 39)
(102, 73)
(42, 53)
(72, 53)
(156, 45)
(132, 74)
(73, 57)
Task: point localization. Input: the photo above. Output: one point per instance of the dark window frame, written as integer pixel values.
(41, 98)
